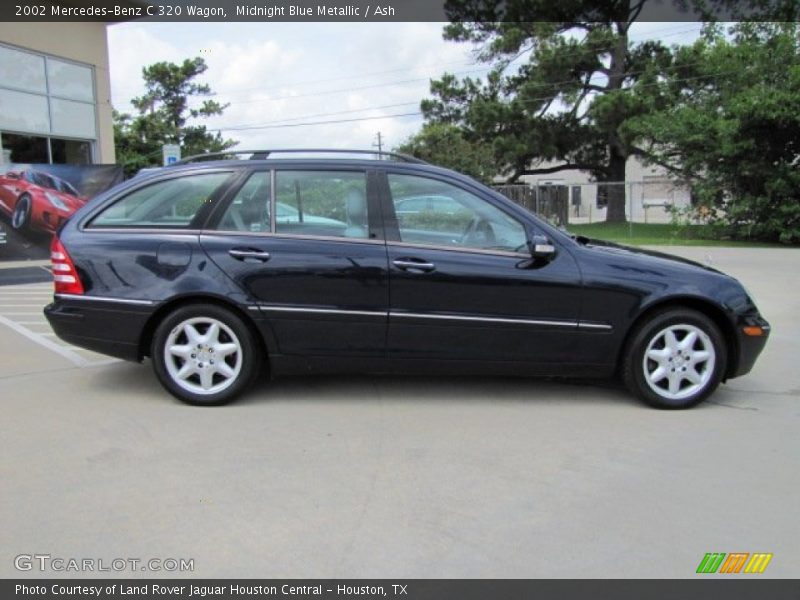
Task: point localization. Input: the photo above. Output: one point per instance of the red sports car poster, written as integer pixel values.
(35, 199)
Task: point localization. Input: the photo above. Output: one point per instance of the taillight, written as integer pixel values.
(65, 277)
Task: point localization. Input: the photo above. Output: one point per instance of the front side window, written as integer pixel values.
(249, 209)
(165, 204)
(323, 203)
(436, 213)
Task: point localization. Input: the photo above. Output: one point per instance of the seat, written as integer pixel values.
(356, 206)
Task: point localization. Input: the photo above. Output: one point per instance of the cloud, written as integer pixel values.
(273, 72)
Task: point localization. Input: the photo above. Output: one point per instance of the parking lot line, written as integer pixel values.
(35, 327)
(64, 351)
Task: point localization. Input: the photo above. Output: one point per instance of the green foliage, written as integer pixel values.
(565, 82)
(447, 145)
(733, 129)
(566, 103)
(163, 113)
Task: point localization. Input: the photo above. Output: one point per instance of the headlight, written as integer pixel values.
(56, 201)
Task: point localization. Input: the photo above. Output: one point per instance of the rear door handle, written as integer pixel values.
(414, 264)
(249, 253)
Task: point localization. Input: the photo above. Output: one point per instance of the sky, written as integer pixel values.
(369, 75)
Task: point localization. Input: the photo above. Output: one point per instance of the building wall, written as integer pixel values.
(648, 190)
(81, 42)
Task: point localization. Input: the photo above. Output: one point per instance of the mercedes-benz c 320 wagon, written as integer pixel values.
(302, 262)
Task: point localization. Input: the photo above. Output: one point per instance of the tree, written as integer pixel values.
(733, 128)
(444, 144)
(163, 113)
(567, 104)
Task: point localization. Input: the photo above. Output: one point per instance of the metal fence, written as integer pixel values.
(649, 201)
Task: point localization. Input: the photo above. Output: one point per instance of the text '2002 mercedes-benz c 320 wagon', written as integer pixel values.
(319, 262)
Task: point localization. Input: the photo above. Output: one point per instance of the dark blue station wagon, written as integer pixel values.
(303, 262)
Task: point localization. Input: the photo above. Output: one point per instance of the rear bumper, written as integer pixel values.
(95, 325)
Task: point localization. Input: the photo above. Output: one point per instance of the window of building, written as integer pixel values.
(22, 70)
(25, 148)
(48, 98)
(70, 152)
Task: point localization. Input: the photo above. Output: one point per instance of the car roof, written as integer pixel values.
(312, 162)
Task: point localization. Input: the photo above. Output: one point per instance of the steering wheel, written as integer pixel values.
(480, 233)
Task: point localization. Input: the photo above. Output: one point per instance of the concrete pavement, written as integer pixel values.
(401, 477)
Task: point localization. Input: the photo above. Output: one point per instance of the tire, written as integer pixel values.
(193, 370)
(21, 216)
(675, 359)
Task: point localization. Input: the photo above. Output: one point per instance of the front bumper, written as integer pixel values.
(750, 346)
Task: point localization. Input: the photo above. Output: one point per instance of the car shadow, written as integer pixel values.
(138, 381)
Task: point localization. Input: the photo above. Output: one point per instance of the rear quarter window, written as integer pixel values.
(167, 204)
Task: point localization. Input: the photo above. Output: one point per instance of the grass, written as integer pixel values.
(657, 234)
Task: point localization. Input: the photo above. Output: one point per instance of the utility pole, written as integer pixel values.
(379, 144)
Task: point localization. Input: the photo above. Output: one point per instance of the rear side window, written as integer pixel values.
(169, 204)
(324, 203)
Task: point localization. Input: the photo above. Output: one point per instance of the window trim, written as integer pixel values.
(194, 224)
(375, 229)
(393, 237)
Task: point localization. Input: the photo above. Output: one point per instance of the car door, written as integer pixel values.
(463, 286)
(318, 272)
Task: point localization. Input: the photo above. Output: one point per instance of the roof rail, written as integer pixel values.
(264, 154)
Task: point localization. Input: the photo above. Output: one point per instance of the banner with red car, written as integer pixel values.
(35, 199)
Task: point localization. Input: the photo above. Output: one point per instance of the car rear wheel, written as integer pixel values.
(675, 360)
(22, 213)
(205, 354)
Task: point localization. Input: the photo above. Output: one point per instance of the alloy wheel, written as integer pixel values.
(679, 361)
(203, 355)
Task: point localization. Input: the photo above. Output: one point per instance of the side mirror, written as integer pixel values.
(541, 248)
(542, 252)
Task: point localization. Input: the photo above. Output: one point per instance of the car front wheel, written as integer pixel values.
(675, 360)
(204, 354)
(22, 213)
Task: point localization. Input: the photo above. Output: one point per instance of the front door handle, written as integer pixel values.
(249, 253)
(414, 264)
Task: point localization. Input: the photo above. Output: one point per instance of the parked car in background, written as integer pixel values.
(193, 267)
(36, 200)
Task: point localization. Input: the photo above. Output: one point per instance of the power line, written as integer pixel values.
(329, 114)
(552, 85)
(671, 33)
(359, 76)
(418, 113)
(350, 89)
(234, 93)
(410, 114)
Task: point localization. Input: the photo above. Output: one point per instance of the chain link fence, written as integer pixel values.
(653, 200)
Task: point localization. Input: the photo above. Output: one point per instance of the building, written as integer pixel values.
(55, 93)
(649, 193)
